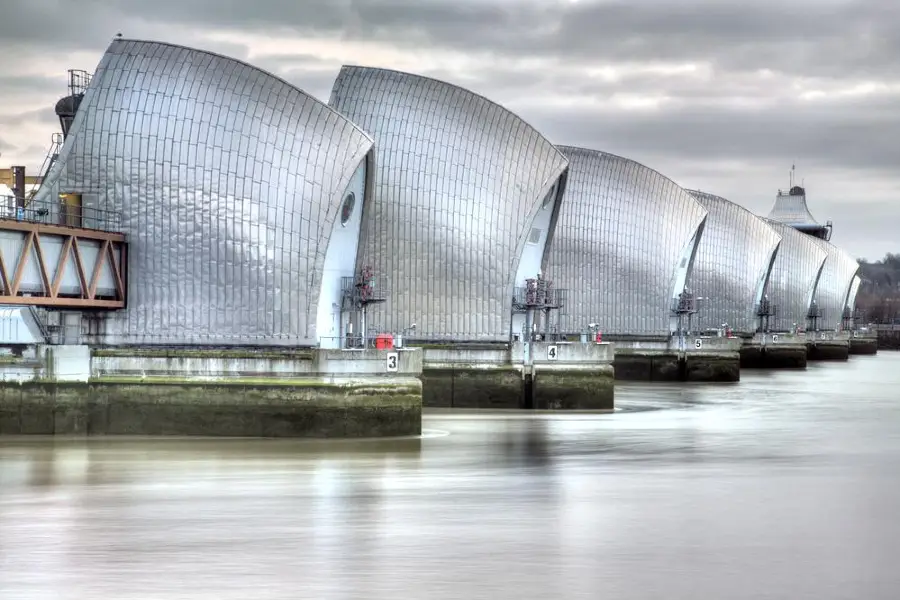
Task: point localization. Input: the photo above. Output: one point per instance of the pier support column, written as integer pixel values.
(863, 344)
(710, 359)
(204, 392)
(774, 351)
(828, 345)
(572, 375)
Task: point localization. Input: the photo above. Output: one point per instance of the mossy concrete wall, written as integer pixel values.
(774, 351)
(785, 356)
(828, 350)
(863, 345)
(713, 367)
(648, 366)
(208, 392)
(669, 366)
(573, 376)
(466, 386)
(575, 389)
(888, 337)
(693, 358)
(261, 409)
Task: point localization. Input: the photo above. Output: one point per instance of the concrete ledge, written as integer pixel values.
(860, 346)
(829, 350)
(225, 409)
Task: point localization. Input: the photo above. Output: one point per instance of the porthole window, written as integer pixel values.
(347, 208)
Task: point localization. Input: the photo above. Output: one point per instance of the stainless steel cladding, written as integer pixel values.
(854, 292)
(622, 245)
(228, 181)
(795, 276)
(460, 181)
(834, 285)
(732, 267)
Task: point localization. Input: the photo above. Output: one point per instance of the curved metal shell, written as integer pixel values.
(620, 239)
(460, 181)
(795, 276)
(854, 292)
(834, 286)
(733, 265)
(228, 181)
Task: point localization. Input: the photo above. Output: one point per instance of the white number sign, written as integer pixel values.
(774, 338)
(552, 353)
(393, 362)
(698, 344)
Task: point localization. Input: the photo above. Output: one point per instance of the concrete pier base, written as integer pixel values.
(888, 336)
(464, 386)
(556, 376)
(774, 351)
(573, 376)
(713, 367)
(829, 350)
(863, 345)
(314, 393)
(648, 366)
(696, 358)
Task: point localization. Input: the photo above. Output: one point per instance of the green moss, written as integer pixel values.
(457, 346)
(14, 360)
(242, 382)
(209, 410)
(203, 353)
(473, 368)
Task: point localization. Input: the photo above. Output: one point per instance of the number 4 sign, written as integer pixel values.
(552, 352)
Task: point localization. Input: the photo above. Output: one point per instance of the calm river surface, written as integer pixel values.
(786, 485)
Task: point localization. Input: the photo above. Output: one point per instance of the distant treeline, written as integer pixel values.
(879, 293)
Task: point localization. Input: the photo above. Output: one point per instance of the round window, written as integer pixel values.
(347, 208)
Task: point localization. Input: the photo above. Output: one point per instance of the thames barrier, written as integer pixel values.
(211, 251)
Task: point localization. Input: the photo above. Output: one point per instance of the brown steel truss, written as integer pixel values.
(112, 253)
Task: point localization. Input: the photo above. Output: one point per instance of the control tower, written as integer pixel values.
(790, 208)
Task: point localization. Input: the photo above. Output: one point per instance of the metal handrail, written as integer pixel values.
(51, 212)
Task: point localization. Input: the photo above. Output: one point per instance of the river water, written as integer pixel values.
(786, 485)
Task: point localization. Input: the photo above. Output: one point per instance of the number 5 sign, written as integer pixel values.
(698, 343)
(393, 362)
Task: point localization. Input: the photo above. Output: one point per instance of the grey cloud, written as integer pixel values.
(730, 33)
(309, 73)
(30, 84)
(858, 36)
(845, 138)
(699, 137)
(42, 116)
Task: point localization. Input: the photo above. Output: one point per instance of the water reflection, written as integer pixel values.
(781, 486)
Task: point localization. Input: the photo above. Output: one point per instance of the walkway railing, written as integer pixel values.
(59, 212)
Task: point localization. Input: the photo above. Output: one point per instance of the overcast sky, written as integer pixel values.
(720, 95)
